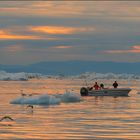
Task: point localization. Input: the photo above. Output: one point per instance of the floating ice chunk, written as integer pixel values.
(46, 99)
(70, 97)
(39, 100)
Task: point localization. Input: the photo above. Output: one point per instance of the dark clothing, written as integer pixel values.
(101, 86)
(115, 84)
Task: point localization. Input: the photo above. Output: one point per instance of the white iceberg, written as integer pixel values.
(45, 99)
(21, 76)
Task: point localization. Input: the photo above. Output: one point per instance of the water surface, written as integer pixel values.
(100, 118)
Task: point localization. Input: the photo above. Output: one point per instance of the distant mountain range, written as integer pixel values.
(74, 67)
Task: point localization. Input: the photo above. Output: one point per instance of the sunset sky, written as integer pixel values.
(38, 31)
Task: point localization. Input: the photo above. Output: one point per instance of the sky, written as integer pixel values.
(35, 31)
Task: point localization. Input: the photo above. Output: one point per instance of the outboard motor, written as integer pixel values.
(84, 91)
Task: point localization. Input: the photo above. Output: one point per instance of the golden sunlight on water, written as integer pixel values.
(92, 118)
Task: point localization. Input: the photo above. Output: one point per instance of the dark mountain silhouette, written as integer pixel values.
(74, 67)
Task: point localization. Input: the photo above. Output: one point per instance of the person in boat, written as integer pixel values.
(115, 84)
(101, 86)
(96, 86)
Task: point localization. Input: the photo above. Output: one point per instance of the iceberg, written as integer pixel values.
(93, 76)
(46, 99)
(21, 76)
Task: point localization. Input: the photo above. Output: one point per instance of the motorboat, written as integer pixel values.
(85, 91)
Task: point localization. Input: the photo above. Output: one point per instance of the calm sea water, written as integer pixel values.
(100, 118)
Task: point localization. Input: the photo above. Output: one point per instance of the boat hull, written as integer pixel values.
(105, 92)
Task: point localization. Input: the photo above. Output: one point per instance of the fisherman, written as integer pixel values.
(115, 84)
(96, 86)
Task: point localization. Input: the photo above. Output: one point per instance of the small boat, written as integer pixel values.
(105, 92)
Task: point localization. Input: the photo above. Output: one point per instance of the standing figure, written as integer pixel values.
(115, 84)
(96, 86)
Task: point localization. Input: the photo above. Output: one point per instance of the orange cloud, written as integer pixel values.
(61, 29)
(6, 35)
(62, 47)
(48, 8)
(71, 8)
(53, 29)
(135, 49)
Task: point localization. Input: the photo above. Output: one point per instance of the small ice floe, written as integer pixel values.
(70, 96)
(45, 99)
(38, 100)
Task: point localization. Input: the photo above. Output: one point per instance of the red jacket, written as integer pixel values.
(96, 86)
